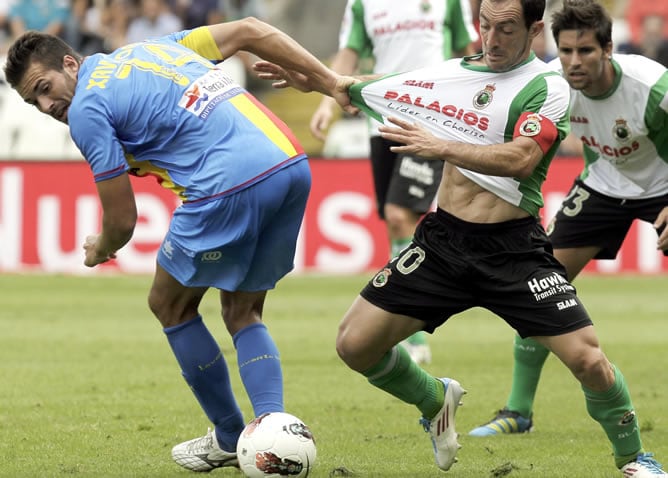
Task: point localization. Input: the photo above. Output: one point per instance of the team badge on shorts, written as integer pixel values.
(531, 125)
(483, 98)
(168, 249)
(381, 278)
(621, 130)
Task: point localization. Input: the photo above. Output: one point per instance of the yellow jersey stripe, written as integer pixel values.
(269, 124)
(201, 41)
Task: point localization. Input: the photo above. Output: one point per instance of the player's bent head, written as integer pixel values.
(35, 47)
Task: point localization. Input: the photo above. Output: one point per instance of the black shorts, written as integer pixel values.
(404, 180)
(507, 268)
(589, 218)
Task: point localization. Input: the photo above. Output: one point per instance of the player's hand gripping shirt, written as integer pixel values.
(625, 131)
(160, 108)
(459, 101)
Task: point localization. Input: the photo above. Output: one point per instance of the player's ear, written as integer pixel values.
(70, 64)
(536, 28)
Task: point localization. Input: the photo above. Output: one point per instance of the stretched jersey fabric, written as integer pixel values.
(460, 101)
(161, 108)
(406, 35)
(625, 131)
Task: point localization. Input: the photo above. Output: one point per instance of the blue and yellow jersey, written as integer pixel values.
(161, 108)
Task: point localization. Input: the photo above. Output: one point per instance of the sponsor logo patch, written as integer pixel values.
(212, 256)
(168, 249)
(207, 92)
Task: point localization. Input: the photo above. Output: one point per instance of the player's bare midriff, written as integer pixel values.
(469, 202)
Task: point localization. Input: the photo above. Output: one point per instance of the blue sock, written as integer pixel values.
(204, 369)
(260, 368)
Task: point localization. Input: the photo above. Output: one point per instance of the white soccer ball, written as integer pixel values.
(276, 445)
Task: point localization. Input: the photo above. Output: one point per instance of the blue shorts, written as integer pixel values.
(242, 242)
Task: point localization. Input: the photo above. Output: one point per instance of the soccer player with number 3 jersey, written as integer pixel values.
(619, 112)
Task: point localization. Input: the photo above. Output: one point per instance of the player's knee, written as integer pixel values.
(593, 369)
(346, 349)
(354, 350)
(168, 310)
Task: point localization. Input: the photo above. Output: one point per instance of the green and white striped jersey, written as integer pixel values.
(407, 34)
(460, 101)
(625, 131)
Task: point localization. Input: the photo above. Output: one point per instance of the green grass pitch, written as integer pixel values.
(90, 388)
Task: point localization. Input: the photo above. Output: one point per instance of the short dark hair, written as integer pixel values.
(35, 47)
(533, 11)
(583, 15)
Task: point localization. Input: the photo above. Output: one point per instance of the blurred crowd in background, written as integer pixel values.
(641, 26)
(90, 26)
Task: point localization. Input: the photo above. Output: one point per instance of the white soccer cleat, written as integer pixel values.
(203, 454)
(442, 426)
(644, 466)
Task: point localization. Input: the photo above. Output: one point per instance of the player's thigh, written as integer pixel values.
(574, 259)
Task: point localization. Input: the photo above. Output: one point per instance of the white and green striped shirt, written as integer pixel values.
(625, 131)
(459, 101)
(408, 34)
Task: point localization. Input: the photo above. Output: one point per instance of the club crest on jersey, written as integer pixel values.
(425, 5)
(381, 278)
(484, 97)
(621, 130)
(531, 125)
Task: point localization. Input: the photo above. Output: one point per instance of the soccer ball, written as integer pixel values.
(276, 445)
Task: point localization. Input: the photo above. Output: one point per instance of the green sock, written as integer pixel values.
(614, 411)
(397, 245)
(529, 359)
(399, 376)
(418, 338)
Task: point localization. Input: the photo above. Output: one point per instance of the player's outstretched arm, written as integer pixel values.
(271, 44)
(284, 78)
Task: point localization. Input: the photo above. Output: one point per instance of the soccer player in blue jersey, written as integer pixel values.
(162, 108)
